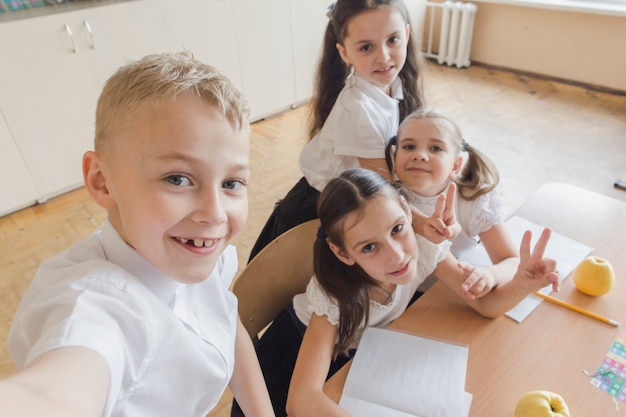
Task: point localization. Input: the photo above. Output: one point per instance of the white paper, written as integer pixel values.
(567, 252)
(395, 374)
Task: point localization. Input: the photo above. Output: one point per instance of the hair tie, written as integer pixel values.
(321, 233)
(464, 145)
(394, 140)
(330, 9)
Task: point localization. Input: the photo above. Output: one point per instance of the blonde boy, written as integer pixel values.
(137, 319)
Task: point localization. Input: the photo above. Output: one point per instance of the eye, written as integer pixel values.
(233, 185)
(368, 248)
(436, 148)
(408, 147)
(394, 39)
(178, 180)
(397, 228)
(366, 48)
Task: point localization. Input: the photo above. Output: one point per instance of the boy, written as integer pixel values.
(137, 319)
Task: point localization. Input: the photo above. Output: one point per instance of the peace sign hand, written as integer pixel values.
(534, 271)
(442, 224)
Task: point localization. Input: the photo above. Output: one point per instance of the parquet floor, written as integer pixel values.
(537, 131)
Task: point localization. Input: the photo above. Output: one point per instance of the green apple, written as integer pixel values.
(594, 276)
(541, 404)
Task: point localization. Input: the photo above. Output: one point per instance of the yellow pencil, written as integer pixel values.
(577, 309)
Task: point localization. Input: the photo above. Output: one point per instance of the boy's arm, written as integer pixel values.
(247, 384)
(65, 382)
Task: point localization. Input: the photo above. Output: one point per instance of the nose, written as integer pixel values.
(383, 54)
(395, 251)
(210, 207)
(420, 155)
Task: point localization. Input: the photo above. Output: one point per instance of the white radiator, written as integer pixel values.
(456, 22)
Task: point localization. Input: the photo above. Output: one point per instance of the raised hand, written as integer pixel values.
(535, 271)
(442, 224)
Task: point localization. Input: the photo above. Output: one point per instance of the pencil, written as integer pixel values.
(577, 309)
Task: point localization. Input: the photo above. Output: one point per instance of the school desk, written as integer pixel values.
(550, 349)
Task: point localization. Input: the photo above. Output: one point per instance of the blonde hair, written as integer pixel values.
(479, 175)
(162, 77)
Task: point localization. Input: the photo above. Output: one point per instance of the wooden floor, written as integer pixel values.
(537, 131)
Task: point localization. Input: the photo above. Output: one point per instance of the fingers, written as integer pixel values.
(540, 247)
(440, 207)
(449, 212)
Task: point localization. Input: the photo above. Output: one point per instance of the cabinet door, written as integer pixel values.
(264, 44)
(18, 189)
(48, 98)
(309, 23)
(120, 33)
(206, 28)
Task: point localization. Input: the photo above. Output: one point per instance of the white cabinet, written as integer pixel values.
(263, 39)
(18, 189)
(206, 28)
(308, 26)
(53, 74)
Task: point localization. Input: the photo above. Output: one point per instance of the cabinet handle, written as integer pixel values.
(90, 32)
(68, 30)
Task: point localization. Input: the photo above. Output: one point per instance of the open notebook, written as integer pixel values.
(395, 374)
(567, 252)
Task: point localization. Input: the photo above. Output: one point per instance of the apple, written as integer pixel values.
(594, 276)
(541, 404)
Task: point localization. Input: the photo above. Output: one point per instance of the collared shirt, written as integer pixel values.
(360, 124)
(169, 346)
(315, 300)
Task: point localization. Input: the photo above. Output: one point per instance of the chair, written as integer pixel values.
(279, 271)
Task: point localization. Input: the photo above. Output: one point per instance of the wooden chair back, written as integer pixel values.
(278, 272)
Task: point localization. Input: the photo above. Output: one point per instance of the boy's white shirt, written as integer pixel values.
(169, 346)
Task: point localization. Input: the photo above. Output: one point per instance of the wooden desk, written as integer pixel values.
(550, 348)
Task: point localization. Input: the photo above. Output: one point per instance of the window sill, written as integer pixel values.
(605, 7)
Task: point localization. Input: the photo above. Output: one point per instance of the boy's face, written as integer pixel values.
(175, 185)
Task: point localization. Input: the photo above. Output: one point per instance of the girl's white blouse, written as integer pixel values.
(315, 300)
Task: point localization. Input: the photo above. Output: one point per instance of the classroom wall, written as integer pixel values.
(582, 47)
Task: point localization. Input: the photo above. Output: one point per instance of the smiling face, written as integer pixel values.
(375, 45)
(380, 240)
(174, 180)
(426, 157)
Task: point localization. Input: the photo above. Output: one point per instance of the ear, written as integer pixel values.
(96, 180)
(342, 53)
(408, 32)
(458, 162)
(340, 254)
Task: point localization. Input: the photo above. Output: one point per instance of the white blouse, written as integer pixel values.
(475, 216)
(360, 124)
(315, 300)
(169, 346)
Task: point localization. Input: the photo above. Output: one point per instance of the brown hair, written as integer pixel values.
(348, 285)
(332, 71)
(164, 76)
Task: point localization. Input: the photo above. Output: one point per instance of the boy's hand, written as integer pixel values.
(534, 271)
(442, 224)
(478, 281)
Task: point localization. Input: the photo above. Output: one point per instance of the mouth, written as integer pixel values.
(402, 270)
(385, 70)
(197, 243)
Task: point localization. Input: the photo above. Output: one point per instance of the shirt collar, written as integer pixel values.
(395, 88)
(123, 255)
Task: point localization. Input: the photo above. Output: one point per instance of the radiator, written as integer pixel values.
(456, 23)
